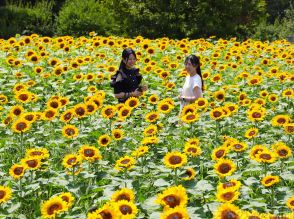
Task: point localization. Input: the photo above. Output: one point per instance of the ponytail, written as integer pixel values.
(195, 61)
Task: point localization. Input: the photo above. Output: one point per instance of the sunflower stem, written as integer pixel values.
(176, 176)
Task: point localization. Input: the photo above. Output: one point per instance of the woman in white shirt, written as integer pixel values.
(193, 87)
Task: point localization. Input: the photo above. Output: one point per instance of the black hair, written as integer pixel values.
(195, 61)
(125, 56)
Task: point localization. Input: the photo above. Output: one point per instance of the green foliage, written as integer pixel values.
(280, 29)
(80, 17)
(20, 18)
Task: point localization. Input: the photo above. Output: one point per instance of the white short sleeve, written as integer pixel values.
(197, 82)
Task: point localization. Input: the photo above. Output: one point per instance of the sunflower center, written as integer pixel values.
(268, 181)
(29, 117)
(224, 168)
(106, 215)
(251, 133)
(228, 196)
(265, 156)
(65, 198)
(90, 108)
(281, 121)
(220, 96)
(71, 160)
(108, 112)
(23, 97)
(89, 153)
(2, 194)
(125, 112)
(217, 114)
(189, 173)
(283, 152)
(190, 117)
(36, 153)
(192, 150)
(123, 197)
(16, 112)
(153, 116)
(219, 153)
(125, 209)
(32, 163)
(104, 141)
(253, 217)
(175, 215)
(292, 203)
(164, 107)
(228, 214)
(54, 207)
(21, 126)
(70, 132)
(54, 105)
(228, 184)
(172, 201)
(67, 116)
(132, 103)
(125, 161)
(256, 115)
(80, 111)
(49, 114)
(175, 160)
(238, 146)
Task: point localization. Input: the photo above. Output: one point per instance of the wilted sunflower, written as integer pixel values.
(175, 159)
(17, 170)
(125, 162)
(104, 140)
(177, 212)
(251, 133)
(224, 167)
(123, 194)
(108, 111)
(70, 131)
(152, 116)
(90, 153)
(71, 160)
(173, 197)
(226, 211)
(52, 207)
(270, 180)
(192, 150)
(219, 152)
(5, 194)
(33, 163)
(21, 125)
(68, 198)
(117, 134)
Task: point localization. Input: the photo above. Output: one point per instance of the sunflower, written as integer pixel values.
(266, 157)
(125, 162)
(53, 103)
(224, 167)
(68, 198)
(123, 194)
(128, 210)
(150, 130)
(177, 213)
(104, 140)
(17, 170)
(80, 110)
(239, 146)
(67, 115)
(219, 152)
(206, 75)
(290, 203)
(273, 98)
(228, 195)
(216, 113)
(232, 184)
(190, 117)
(215, 78)
(251, 133)
(40, 153)
(16, 110)
(189, 174)
(152, 116)
(231, 107)
(255, 150)
(192, 150)
(5, 194)
(140, 151)
(256, 115)
(132, 102)
(201, 103)
(282, 150)
(49, 114)
(226, 211)
(33, 163)
(175, 159)
(108, 111)
(21, 125)
(71, 160)
(3, 99)
(280, 120)
(108, 211)
(289, 128)
(270, 180)
(23, 96)
(90, 153)
(78, 77)
(173, 197)
(254, 215)
(117, 134)
(288, 93)
(220, 95)
(164, 107)
(97, 100)
(124, 112)
(70, 131)
(52, 207)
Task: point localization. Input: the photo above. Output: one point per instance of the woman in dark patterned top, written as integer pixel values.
(126, 81)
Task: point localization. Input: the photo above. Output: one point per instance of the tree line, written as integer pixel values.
(261, 19)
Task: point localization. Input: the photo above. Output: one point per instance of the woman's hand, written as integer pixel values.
(144, 87)
(136, 93)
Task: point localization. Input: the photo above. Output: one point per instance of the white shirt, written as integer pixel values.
(190, 84)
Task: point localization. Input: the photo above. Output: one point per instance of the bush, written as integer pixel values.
(80, 17)
(20, 18)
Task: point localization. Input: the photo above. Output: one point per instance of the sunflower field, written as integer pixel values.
(69, 150)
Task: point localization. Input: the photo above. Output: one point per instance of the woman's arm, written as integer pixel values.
(135, 93)
(197, 94)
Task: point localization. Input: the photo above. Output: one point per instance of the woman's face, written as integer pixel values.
(189, 67)
(131, 61)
